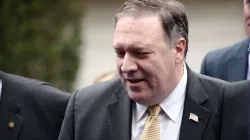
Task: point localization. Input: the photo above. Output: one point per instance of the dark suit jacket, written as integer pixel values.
(103, 111)
(230, 63)
(231, 120)
(36, 109)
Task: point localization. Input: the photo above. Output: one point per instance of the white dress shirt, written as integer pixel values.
(0, 88)
(248, 71)
(170, 116)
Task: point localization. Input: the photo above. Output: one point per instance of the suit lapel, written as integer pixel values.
(237, 67)
(190, 129)
(9, 109)
(195, 97)
(7, 118)
(120, 115)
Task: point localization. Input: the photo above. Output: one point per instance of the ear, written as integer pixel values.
(180, 50)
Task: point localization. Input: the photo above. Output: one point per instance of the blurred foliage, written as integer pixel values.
(41, 38)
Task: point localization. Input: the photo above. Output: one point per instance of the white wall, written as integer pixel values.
(213, 25)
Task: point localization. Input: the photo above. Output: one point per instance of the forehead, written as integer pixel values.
(129, 23)
(146, 29)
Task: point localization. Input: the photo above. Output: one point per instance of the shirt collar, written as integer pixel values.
(172, 105)
(139, 111)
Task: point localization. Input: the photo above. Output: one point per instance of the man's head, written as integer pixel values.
(150, 41)
(246, 13)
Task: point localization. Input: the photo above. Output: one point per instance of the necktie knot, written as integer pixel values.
(154, 110)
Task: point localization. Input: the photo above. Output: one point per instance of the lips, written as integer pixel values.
(134, 81)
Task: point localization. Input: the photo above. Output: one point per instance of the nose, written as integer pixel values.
(128, 64)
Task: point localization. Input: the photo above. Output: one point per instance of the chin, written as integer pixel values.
(140, 98)
(134, 96)
(137, 97)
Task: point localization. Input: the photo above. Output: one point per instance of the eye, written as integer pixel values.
(142, 54)
(119, 53)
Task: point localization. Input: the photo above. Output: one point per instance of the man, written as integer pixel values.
(231, 121)
(29, 109)
(157, 95)
(230, 63)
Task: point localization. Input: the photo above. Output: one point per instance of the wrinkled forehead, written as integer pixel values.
(135, 15)
(131, 29)
(141, 25)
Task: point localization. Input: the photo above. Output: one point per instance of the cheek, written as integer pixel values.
(175, 56)
(153, 74)
(246, 12)
(118, 63)
(154, 83)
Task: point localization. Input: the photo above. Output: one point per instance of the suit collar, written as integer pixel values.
(196, 97)
(196, 93)
(237, 66)
(9, 109)
(120, 114)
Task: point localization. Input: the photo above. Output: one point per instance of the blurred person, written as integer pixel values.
(230, 63)
(157, 95)
(106, 76)
(30, 109)
(232, 121)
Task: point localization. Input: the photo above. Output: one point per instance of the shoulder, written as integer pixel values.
(36, 98)
(216, 61)
(35, 89)
(213, 87)
(236, 90)
(211, 81)
(235, 103)
(225, 53)
(95, 97)
(98, 93)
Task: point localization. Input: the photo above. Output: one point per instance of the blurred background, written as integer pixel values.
(69, 42)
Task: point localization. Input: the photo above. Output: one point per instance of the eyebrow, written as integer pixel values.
(131, 47)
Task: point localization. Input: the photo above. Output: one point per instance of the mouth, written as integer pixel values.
(134, 81)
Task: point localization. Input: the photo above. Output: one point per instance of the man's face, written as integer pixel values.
(146, 64)
(246, 12)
